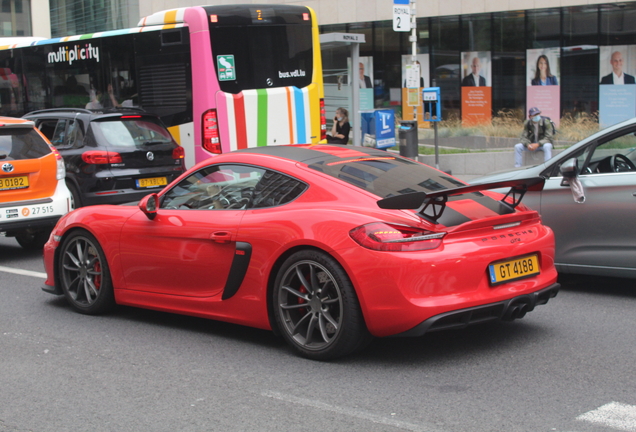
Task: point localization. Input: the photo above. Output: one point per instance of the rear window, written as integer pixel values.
(386, 176)
(264, 55)
(133, 132)
(22, 143)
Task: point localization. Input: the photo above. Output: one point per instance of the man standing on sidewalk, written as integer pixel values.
(536, 136)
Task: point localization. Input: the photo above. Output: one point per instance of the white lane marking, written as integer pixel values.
(348, 411)
(614, 414)
(23, 272)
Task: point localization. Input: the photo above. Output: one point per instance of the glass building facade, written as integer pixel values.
(74, 17)
(577, 32)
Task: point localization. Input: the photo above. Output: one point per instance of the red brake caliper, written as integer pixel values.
(98, 278)
(303, 290)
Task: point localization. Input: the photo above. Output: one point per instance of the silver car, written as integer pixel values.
(589, 200)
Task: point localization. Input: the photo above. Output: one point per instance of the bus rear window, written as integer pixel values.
(262, 56)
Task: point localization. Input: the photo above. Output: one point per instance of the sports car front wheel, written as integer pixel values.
(316, 308)
(84, 275)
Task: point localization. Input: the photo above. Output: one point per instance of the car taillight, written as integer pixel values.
(323, 120)
(98, 157)
(60, 173)
(395, 238)
(211, 139)
(178, 153)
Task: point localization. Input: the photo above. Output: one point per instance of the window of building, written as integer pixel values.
(579, 61)
(509, 63)
(15, 19)
(445, 62)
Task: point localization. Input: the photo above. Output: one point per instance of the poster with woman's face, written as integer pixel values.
(476, 69)
(543, 66)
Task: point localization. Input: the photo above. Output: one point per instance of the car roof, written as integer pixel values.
(90, 113)
(15, 122)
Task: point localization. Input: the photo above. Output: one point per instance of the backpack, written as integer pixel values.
(548, 119)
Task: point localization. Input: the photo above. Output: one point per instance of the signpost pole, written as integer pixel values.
(435, 129)
(413, 40)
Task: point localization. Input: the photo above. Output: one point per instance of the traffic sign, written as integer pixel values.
(225, 66)
(401, 16)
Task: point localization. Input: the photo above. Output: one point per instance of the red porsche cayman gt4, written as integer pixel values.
(327, 245)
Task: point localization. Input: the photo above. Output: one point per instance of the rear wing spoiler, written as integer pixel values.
(431, 205)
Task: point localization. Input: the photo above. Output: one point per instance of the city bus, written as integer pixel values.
(220, 77)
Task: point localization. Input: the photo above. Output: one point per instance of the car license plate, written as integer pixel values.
(152, 182)
(518, 268)
(21, 182)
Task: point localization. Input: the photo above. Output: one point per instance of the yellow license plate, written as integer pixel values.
(518, 268)
(21, 182)
(152, 182)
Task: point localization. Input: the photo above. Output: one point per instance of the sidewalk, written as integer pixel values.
(482, 162)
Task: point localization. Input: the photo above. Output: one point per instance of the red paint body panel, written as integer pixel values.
(172, 264)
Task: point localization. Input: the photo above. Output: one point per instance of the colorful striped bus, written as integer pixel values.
(220, 77)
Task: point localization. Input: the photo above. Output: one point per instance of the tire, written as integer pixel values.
(76, 201)
(316, 308)
(84, 274)
(33, 240)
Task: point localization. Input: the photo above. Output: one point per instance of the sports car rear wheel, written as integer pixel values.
(84, 275)
(316, 307)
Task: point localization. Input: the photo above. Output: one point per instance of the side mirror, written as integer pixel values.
(570, 168)
(149, 205)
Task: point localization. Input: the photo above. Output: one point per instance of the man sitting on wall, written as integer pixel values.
(536, 136)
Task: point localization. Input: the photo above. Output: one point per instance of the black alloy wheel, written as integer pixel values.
(316, 307)
(84, 275)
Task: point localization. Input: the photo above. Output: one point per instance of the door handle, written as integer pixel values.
(221, 236)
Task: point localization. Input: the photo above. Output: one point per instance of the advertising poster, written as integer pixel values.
(543, 78)
(365, 72)
(407, 108)
(617, 89)
(476, 87)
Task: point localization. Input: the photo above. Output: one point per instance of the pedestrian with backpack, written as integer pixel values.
(536, 136)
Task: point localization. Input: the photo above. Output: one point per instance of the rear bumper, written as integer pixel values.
(21, 225)
(507, 310)
(35, 214)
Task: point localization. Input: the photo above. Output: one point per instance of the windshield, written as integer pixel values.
(134, 132)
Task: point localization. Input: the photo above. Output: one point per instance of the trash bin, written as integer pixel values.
(408, 139)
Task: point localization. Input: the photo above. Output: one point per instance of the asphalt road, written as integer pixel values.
(567, 366)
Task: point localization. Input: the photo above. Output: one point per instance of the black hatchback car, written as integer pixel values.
(111, 156)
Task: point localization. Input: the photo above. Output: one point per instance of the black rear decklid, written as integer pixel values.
(431, 205)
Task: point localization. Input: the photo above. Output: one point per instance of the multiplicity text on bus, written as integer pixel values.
(220, 77)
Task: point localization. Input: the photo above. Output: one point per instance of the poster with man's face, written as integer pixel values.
(476, 69)
(364, 71)
(617, 92)
(617, 64)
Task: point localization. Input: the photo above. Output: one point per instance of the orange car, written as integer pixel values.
(33, 195)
